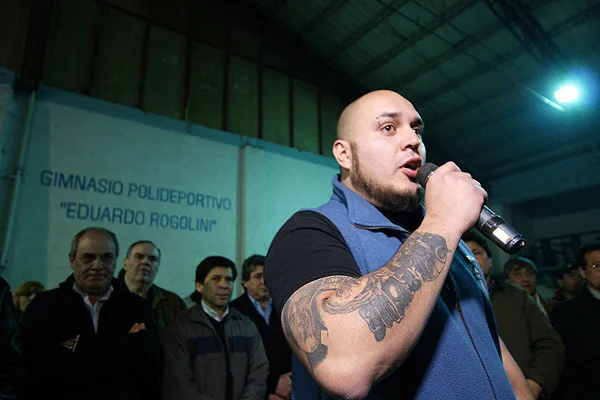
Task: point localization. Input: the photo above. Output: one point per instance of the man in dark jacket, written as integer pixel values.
(524, 328)
(141, 265)
(10, 356)
(91, 338)
(522, 271)
(570, 284)
(213, 351)
(578, 322)
(256, 303)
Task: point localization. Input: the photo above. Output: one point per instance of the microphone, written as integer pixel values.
(490, 224)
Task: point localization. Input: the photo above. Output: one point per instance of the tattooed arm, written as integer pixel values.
(346, 330)
(351, 332)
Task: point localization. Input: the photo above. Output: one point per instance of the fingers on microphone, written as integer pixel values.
(450, 166)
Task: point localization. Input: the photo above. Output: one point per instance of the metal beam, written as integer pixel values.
(460, 47)
(471, 74)
(323, 16)
(275, 8)
(497, 119)
(529, 32)
(367, 27)
(36, 41)
(465, 44)
(591, 13)
(509, 167)
(413, 39)
(343, 85)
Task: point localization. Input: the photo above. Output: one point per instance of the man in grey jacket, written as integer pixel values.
(212, 351)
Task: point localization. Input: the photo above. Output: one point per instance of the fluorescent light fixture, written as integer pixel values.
(566, 94)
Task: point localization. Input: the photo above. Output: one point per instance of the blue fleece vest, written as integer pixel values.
(457, 356)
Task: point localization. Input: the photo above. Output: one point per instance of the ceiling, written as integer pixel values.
(481, 72)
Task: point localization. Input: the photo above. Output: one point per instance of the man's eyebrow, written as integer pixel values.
(389, 115)
(396, 115)
(418, 121)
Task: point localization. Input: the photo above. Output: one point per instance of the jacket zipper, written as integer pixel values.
(462, 317)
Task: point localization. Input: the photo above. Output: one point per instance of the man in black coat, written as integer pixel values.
(256, 303)
(577, 320)
(90, 339)
(10, 356)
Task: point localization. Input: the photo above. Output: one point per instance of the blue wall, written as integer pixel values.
(192, 190)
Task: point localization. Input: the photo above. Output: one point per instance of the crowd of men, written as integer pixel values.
(98, 336)
(380, 293)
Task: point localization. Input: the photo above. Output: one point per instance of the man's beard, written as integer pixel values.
(384, 195)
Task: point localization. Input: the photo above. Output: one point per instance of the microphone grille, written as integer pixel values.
(424, 173)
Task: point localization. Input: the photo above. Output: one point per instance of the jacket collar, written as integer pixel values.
(158, 294)
(197, 314)
(360, 212)
(589, 297)
(70, 281)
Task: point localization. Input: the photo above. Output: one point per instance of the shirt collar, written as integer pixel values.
(594, 293)
(212, 313)
(85, 295)
(257, 305)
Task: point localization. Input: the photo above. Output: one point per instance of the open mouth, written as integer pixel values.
(411, 167)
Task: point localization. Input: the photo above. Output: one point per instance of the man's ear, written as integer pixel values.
(342, 153)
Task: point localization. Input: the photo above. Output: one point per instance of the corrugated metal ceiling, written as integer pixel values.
(477, 70)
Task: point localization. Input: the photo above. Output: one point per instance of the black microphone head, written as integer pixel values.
(424, 172)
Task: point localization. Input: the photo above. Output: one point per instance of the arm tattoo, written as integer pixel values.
(303, 325)
(381, 298)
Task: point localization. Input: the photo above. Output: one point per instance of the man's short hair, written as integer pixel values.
(81, 233)
(206, 265)
(583, 250)
(518, 263)
(568, 268)
(472, 236)
(143, 242)
(250, 264)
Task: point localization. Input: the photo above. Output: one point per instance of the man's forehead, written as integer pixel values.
(593, 255)
(521, 267)
(386, 102)
(144, 248)
(258, 268)
(473, 245)
(95, 239)
(220, 271)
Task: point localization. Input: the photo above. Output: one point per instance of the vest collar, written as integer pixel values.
(360, 212)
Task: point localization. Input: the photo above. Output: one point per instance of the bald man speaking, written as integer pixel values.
(380, 300)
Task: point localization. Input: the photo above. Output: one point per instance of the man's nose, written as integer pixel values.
(225, 283)
(411, 140)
